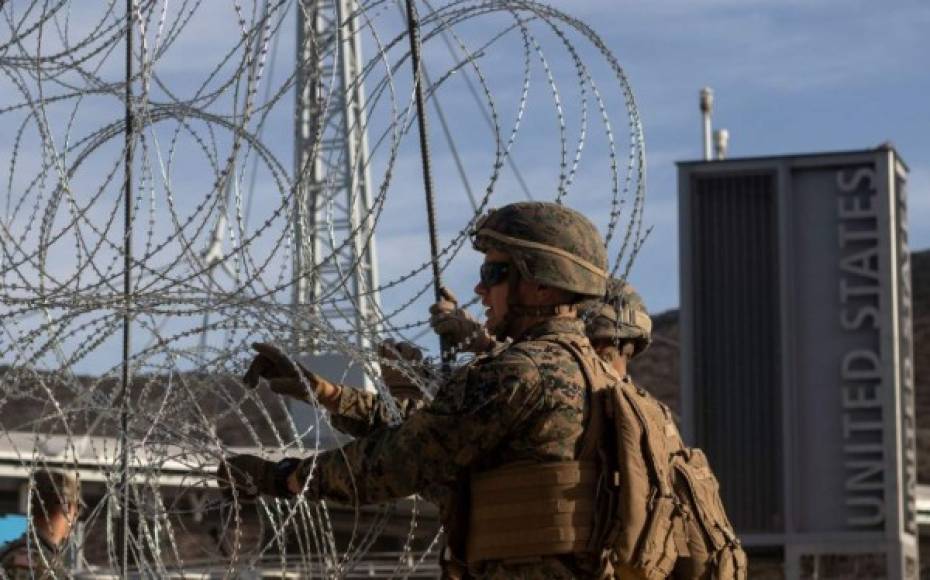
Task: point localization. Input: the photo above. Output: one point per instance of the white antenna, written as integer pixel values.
(721, 142)
(707, 106)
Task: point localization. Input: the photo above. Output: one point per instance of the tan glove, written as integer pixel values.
(396, 374)
(458, 326)
(275, 366)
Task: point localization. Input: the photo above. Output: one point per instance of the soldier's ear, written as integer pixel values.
(74, 512)
(554, 295)
(629, 349)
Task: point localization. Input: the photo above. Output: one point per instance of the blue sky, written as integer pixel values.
(789, 76)
(11, 527)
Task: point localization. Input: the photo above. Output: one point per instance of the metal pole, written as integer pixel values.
(307, 133)
(127, 298)
(413, 32)
(707, 106)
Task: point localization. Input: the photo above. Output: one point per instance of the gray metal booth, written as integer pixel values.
(797, 354)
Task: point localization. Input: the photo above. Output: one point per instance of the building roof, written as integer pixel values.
(820, 155)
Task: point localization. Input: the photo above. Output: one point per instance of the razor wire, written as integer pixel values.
(531, 102)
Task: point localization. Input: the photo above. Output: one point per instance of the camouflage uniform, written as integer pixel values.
(32, 557)
(526, 404)
(361, 413)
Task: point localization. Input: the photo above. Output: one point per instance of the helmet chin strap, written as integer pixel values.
(516, 311)
(524, 310)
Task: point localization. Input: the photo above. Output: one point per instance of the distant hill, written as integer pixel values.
(657, 369)
(207, 405)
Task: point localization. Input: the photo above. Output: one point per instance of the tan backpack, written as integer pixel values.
(659, 512)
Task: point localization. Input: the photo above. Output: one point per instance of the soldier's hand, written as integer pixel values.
(394, 356)
(272, 364)
(251, 476)
(457, 325)
(403, 351)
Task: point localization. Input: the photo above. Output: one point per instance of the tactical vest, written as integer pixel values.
(635, 499)
(529, 510)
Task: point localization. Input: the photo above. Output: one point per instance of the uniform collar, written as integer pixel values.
(556, 325)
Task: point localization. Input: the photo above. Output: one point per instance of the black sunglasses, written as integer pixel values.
(493, 273)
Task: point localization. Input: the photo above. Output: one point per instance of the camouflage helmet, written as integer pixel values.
(54, 489)
(620, 317)
(549, 243)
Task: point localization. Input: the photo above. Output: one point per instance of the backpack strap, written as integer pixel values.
(594, 428)
(660, 465)
(596, 385)
(592, 448)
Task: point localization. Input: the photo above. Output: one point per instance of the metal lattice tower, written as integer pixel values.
(334, 260)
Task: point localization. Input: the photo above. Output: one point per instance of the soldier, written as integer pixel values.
(512, 416)
(618, 326)
(620, 329)
(54, 505)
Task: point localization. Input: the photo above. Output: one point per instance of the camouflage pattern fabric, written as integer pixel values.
(28, 558)
(361, 413)
(550, 244)
(525, 403)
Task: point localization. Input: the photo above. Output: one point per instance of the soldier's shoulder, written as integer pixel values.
(477, 383)
(511, 361)
(13, 546)
(552, 345)
(15, 557)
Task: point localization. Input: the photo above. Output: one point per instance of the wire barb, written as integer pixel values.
(148, 224)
